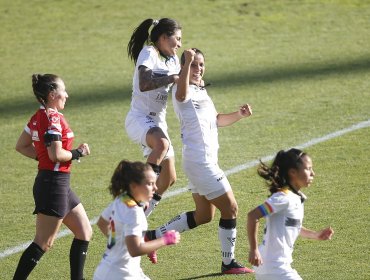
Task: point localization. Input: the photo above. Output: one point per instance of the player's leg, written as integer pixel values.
(46, 230)
(227, 233)
(77, 221)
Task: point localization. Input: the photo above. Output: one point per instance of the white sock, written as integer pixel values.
(227, 239)
(178, 223)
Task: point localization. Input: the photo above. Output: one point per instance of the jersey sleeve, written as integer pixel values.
(107, 212)
(275, 203)
(54, 125)
(146, 58)
(133, 219)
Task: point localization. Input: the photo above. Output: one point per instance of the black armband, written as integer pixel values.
(48, 138)
(76, 154)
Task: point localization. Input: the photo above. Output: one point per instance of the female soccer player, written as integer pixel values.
(209, 185)
(289, 173)
(48, 139)
(132, 184)
(156, 70)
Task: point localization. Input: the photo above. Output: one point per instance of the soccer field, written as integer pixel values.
(304, 66)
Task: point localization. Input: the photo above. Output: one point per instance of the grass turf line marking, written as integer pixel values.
(233, 170)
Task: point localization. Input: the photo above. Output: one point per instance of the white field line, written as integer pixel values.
(233, 170)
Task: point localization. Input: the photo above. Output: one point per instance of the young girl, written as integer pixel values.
(289, 173)
(156, 70)
(208, 183)
(132, 184)
(48, 139)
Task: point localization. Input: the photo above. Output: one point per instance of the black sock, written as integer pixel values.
(190, 219)
(77, 257)
(28, 261)
(156, 168)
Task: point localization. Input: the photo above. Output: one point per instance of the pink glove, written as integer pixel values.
(170, 237)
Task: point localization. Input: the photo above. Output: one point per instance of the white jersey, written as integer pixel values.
(198, 119)
(284, 213)
(126, 218)
(153, 102)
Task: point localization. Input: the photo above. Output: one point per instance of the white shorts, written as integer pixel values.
(291, 275)
(276, 272)
(107, 272)
(206, 179)
(137, 127)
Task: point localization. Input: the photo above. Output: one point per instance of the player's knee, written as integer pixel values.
(161, 145)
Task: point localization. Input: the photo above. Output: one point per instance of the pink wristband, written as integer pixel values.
(169, 238)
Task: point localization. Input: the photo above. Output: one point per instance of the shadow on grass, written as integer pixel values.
(203, 276)
(247, 78)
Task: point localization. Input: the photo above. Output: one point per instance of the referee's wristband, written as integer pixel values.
(76, 154)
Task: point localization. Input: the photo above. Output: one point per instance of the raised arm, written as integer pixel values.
(149, 81)
(245, 110)
(183, 82)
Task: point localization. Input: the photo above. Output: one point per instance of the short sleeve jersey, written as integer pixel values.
(126, 218)
(284, 213)
(153, 102)
(53, 123)
(198, 120)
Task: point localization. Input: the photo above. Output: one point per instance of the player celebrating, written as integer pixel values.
(48, 138)
(124, 222)
(156, 69)
(208, 183)
(289, 173)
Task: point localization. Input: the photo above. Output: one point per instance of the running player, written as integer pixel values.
(48, 139)
(289, 173)
(132, 184)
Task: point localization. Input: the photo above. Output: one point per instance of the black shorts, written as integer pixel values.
(53, 195)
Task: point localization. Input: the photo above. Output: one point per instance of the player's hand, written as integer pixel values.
(255, 258)
(84, 149)
(189, 55)
(325, 234)
(245, 110)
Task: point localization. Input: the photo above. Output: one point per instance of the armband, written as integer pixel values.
(76, 154)
(48, 138)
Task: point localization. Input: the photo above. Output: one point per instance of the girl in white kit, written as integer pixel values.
(290, 171)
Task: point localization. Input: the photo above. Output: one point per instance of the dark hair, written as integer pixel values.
(141, 34)
(277, 175)
(197, 51)
(42, 85)
(126, 173)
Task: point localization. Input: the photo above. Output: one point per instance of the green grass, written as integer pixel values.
(303, 65)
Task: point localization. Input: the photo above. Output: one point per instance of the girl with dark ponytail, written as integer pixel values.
(152, 48)
(289, 172)
(124, 221)
(48, 139)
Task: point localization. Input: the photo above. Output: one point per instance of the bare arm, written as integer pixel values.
(228, 119)
(324, 234)
(183, 82)
(25, 146)
(103, 225)
(58, 154)
(136, 247)
(252, 230)
(148, 80)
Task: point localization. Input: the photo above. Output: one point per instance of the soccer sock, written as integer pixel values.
(180, 223)
(77, 257)
(156, 197)
(227, 237)
(28, 261)
(152, 204)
